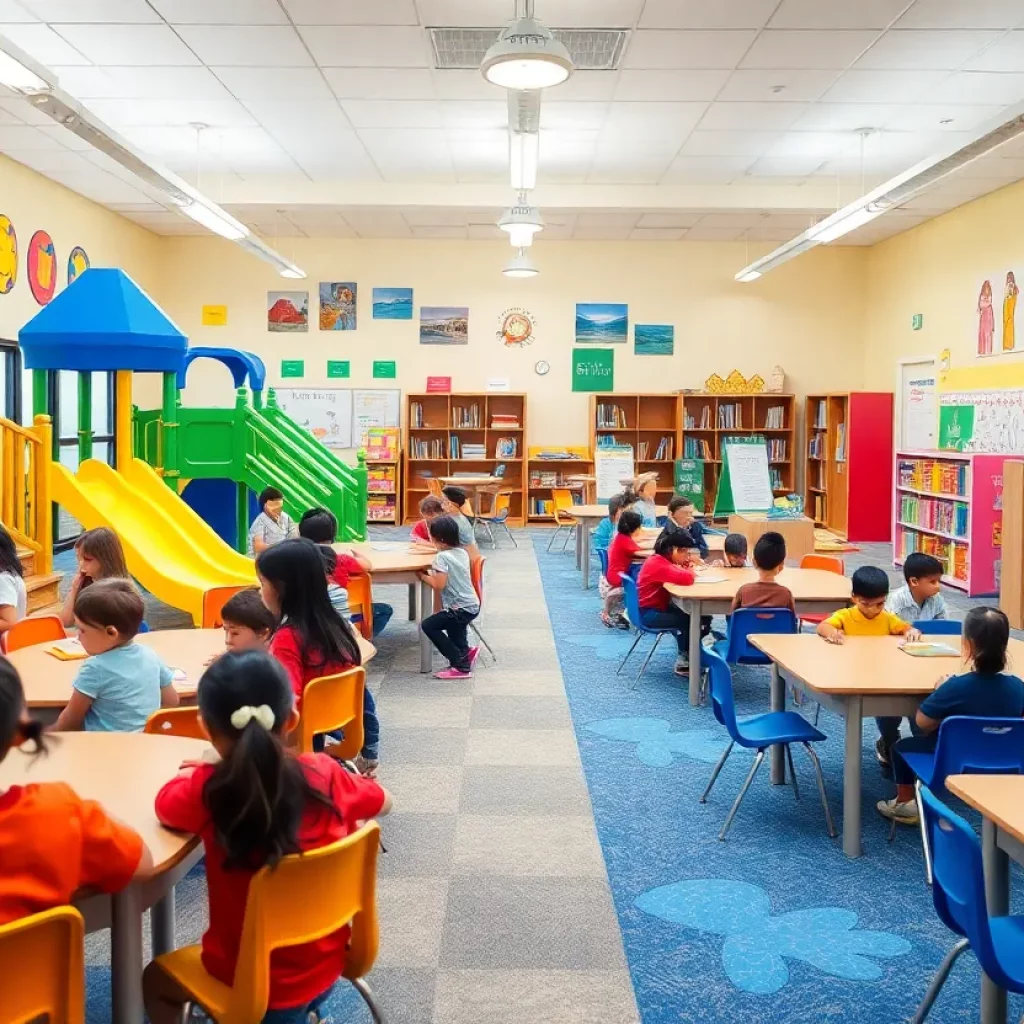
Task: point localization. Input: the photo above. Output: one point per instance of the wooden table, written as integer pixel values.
(1000, 799)
(814, 590)
(587, 517)
(123, 771)
(715, 543)
(860, 678)
(798, 533)
(474, 486)
(588, 485)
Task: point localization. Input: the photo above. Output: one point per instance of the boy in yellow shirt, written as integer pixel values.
(868, 616)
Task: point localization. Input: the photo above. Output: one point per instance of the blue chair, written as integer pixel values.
(940, 627)
(632, 602)
(737, 650)
(758, 733)
(602, 557)
(959, 898)
(143, 626)
(965, 745)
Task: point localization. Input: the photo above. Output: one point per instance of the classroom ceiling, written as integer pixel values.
(724, 118)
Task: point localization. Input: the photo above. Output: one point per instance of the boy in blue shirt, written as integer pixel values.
(122, 683)
(604, 532)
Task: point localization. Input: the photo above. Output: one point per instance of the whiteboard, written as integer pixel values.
(749, 477)
(612, 464)
(325, 412)
(376, 408)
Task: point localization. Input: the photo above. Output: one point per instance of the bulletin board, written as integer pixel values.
(325, 412)
(982, 421)
(612, 465)
(378, 407)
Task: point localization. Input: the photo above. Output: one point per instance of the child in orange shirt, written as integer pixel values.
(52, 842)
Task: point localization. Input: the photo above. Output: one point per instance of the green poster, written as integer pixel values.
(338, 368)
(745, 483)
(689, 481)
(293, 368)
(593, 369)
(384, 368)
(956, 426)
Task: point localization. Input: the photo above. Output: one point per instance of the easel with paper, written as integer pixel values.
(612, 465)
(745, 484)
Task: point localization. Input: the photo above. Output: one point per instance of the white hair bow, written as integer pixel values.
(263, 716)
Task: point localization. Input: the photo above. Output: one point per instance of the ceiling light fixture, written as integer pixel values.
(524, 153)
(526, 55)
(520, 266)
(219, 222)
(20, 73)
(522, 222)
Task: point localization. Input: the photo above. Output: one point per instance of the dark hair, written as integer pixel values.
(105, 546)
(617, 502)
(295, 569)
(9, 560)
(15, 730)
(919, 566)
(770, 550)
(431, 506)
(444, 529)
(247, 609)
(318, 525)
(269, 494)
(736, 544)
(678, 501)
(629, 522)
(869, 581)
(258, 793)
(987, 630)
(456, 495)
(111, 602)
(669, 540)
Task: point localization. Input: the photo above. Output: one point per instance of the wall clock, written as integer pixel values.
(542, 367)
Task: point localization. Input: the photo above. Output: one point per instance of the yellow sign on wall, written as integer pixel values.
(215, 316)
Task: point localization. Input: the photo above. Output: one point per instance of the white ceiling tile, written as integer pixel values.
(754, 116)
(702, 14)
(477, 13)
(667, 221)
(656, 234)
(7, 113)
(363, 47)
(706, 234)
(707, 169)
(556, 13)
(247, 45)
(573, 116)
(129, 45)
(687, 49)
(729, 143)
(656, 122)
(928, 49)
(781, 86)
(434, 217)
(845, 117)
(352, 12)
(581, 86)
(377, 223)
(137, 207)
(167, 223)
(823, 145)
(789, 166)
(816, 14)
(383, 83)
(117, 11)
(478, 115)
(612, 168)
(24, 111)
(737, 219)
(958, 14)
(98, 185)
(930, 117)
(215, 113)
(810, 49)
(41, 43)
(351, 165)
(467, 85)
(979, 87)
(669, 85)
(601, 234)
(47, 160)
(409, 153)
(861, 86)
(221, 12)
(1005, 54)
(440, 232)
(142, 83)
(12, 13)
(318, 121)
(607, 219)
(491, 232)
(392, 113)
(24, 137)
(274, 83)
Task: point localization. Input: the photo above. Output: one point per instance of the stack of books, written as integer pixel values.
(504, 421)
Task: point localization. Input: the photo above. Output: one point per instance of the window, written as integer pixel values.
(10, 377)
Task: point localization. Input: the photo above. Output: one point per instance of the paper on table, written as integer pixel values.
(927, 649)
(70, 649)
(389, 545)
(710, 579)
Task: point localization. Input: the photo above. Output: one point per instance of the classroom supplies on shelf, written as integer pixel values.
(557, 467)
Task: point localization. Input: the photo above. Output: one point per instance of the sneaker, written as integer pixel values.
(366, 766)
(881, 751)
(453, 673)
(607, 620)
(622, 622)
(682, 667)
(474, 653)
(905, 813)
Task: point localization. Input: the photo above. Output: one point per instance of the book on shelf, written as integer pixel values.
(776, 450)
(664, 451)
(641, 450)
(821, 417)
(382, 443)
(606, 441)
(466, 416)
(935, 514)
(816, 446)
(506, 421)
(557, 455)
(506, 447)
(775, 418)
(730, 416)
(613, 416)
(423, 449)
(841, 443)
(696, 448)
(459, 449)
(542, 507)
(819, 508)
(776, 478)
(381, 478)
(935, 475)
(415, 414)
(952, 554)
(380, 508)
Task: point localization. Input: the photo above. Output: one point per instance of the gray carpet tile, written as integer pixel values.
(532, 789)
(515, 712)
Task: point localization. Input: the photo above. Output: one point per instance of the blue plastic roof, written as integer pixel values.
(102, 321)
(241, 364)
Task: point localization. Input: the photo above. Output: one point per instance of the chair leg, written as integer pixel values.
(938, 981)
(821, 789)
(892, 830)
(568, 537)
(743, 792)
(792, 772)
(483, 641)
(924, 832)
(715, 773)
(628, 653)
(511, 535)
(650, 654)
(364, 990)
(817, 711)
(487, 527)
(554, 536)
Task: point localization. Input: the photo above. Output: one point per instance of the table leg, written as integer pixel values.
(161, 924)
(778, 703)
(693, 607)
(424, 609)
(412, 603)
(126, 957)
(851, 777)
(579, 547)
(997, 896)
(583, 535)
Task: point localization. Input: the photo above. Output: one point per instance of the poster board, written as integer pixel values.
(745, 484)
(374, 408)
(982, 421)
(688, 481)
(612, 465)
(325, 412)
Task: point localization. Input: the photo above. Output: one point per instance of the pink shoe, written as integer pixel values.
(474, 653)
(453, 673)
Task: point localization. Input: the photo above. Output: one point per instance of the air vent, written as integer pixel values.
(591, 49)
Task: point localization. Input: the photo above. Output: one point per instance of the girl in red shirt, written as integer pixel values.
(668, 564)
(259, 803)
(620, 559)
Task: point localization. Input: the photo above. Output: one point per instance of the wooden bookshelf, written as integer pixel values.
(848, 463)
(439, 424)
(547, 462)
(384, 475)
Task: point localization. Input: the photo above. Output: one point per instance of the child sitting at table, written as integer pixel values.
(257, 804)
(321, 527)
(681, 514)
(455, 503)
(430, 508)
(13, 596)
(620, 558)
(122, 683)
(604, 533)
(735, 551)
(670, 563)
(100, 557)
(52, 842)
(248, 622)
(770, 559)
(272, 525)
(868, 616)
(644, 489)
(986, 691)
(312, 639)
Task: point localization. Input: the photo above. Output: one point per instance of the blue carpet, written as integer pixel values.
(774, 924)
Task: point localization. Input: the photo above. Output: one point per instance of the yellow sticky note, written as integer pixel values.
(215, 316)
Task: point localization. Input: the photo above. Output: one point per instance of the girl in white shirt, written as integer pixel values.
(13, 598)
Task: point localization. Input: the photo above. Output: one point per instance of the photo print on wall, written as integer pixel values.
(338, 305)
(602, 323)
(288, 312)
(392, 303)
(654, 339)
(444, 325)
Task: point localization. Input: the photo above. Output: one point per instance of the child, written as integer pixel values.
(681, 514)
(669, 564)
(312, 639)
(248, 622)
(918, 601)
(735, 551)
(620, 559)
(430, 508)
(454, 504)
(450, 574)
(320, 526)
(770, 559)
(257, 804)
(986, 691)
(272, 525)
(52, 842)
(868, 616)
(604, 532)
(122, 683)
(13, 597)
(645, 487)
(100, 557)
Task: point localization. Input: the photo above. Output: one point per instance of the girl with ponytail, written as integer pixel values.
(52, 842)
(257, 804)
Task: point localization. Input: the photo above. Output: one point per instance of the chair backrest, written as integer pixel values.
(476, 575)
(214, 600)
(602, 557)
(175, 722)
(42, 967)
(330, 703)
(978, 746)
(745, 621)
(562, 498)
(720, 687)
(434, 486)
(502, 504)
(826, 562)
(631, 599)
(360, 601)
(940, 627)
(38, 630)
(304, 898)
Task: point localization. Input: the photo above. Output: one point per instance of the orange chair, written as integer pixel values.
(303, 898)
(360, 603)
(213, 604)
(828, 564)
(476, 572)
(497, 515)
(42, 967)
(175, 722)
(434, 486)
(331, 703)
(40, 629)
(563, 503)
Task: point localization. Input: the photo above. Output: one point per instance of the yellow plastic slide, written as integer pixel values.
(170, 550)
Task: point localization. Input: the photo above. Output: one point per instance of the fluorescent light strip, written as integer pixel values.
(20, 73)
(217, 221)
(524, 153)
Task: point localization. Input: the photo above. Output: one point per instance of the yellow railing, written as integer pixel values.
(25, 457)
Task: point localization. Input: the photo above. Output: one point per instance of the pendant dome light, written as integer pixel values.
(526, 55)
(522, 222)
(520, 266)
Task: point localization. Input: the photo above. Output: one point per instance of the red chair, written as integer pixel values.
(40, 629)
(828, 564)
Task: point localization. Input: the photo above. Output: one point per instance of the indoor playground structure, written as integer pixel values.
(218, 457)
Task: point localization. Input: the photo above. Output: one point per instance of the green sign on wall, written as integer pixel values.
(689, 481)
(293, 368)
(593, 369)
(956, 426)
(384, 368)
(338, 368)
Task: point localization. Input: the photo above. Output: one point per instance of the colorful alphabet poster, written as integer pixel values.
(8, 255)
(41, 261)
